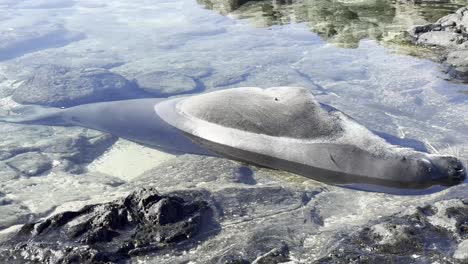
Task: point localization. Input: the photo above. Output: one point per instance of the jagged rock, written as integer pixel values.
(449, 33)
(59, 86)
(144, 221)
(160, 83)
(30, 163)
(458, 64)
(427, 235)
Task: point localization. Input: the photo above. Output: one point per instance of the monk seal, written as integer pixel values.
(282, 128)
(286, 128)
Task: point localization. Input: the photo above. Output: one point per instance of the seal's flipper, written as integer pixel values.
(134, 120)
(36, 115)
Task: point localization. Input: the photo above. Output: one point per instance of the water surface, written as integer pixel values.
(396, 94)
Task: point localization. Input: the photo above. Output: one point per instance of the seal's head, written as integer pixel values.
(444, 170)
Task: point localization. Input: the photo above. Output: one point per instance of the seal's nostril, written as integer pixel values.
(458, 175)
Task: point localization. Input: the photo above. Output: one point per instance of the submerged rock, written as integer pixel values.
(66, 149)
(7, 173)
(59, 86)
(160, 83)
(144, 221)
(17, 41)
(31, 163)
(449, 33)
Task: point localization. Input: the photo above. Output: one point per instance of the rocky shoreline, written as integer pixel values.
(450, 36)
(150, 226)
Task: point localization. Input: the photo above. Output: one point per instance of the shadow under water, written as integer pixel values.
(341, 22)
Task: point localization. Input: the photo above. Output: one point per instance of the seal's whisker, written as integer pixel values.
(433, 149)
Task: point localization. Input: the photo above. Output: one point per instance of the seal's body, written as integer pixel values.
(286, 128)
(282, 128)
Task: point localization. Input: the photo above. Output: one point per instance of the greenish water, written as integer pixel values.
(340, 22)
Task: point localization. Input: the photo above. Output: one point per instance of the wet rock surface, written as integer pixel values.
(430, 234)
(450, 34)
(54, 85)
(449, 31)
(143, 221)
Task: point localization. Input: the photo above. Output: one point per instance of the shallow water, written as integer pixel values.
(387, 91)
(374, 82)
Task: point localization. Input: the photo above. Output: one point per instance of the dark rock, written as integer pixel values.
(450, 34)
(160, 83)
(59, 86)
(409, 238)
(30, 163)
(458, 64)
(15, 42)
(460, 214)
(142, 222)
(449, 31)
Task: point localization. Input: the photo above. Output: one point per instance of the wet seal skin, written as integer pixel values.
(282, 128)
(286, 128)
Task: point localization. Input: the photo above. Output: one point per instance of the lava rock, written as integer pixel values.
(160, 83)
(449, 33)
(420, 237)
(458, 64)
(30, 163)
(142, 222)
(54, 85)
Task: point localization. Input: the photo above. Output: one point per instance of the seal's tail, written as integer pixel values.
(35, 115)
